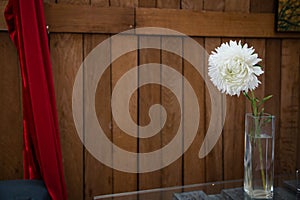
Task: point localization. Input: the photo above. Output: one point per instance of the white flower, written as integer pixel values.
(232, 68)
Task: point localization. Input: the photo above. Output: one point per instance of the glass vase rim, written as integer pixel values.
(261, 116)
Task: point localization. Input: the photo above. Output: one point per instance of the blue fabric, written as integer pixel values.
(23, 190)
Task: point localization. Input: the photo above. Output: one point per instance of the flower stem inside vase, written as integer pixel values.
(258, 134)
(259, 156)
(261, 164)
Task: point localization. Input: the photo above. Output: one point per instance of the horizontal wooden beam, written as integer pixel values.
(89, 19)
(211, 24)
(84, 19)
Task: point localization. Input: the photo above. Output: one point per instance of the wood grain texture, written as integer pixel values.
(86, 177)
(11, 131)
(216, 5)
(211, 24)
(122, 181)
(262, 6)
(289, 105)
(98, 177)
(233, 135)
(194, 5)
(260, 49)
(100, 3)
(88, 19)
(272, 86)
(192, 163)
(148, 95)
(214, 160)
(233, 138)
(147, 3)
(66, 53)
(168, 4)
(237, 6)
(122, 3)
(73, 2)
(172, 174)
(95, 19)
(49, 1)
(2, 19)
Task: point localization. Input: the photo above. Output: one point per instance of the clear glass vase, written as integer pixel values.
(259, 156)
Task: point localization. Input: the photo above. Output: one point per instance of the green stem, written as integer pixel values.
(257, 132)
(261, 164)
(254, 106)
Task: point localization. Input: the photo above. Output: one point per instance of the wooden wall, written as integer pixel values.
(77, 26)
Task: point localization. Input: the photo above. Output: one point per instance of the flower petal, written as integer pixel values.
(232, 68)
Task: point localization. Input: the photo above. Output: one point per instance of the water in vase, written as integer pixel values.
(259, 166)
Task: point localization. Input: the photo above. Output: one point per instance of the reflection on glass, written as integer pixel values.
(298, 184)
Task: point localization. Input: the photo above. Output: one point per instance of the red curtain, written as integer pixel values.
(42, 151)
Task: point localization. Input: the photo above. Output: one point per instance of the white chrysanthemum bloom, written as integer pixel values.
(232, 68)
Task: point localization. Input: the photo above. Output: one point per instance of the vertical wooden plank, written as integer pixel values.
(98, 177)
(216, 5)
(289, 105)
(233, 135)
(194, 168)
(124, 182)
(147, 3)
(233, 138)
(237, 5)
(262, 6)
(214, 160)
(66, 53)
(196, 5)
(65, 67)
(172, 174)
(11, 137)
(272, 86)
(121, 3)
(148, 95)
(168, 4)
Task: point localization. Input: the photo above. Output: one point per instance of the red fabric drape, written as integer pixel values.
(42, 150)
